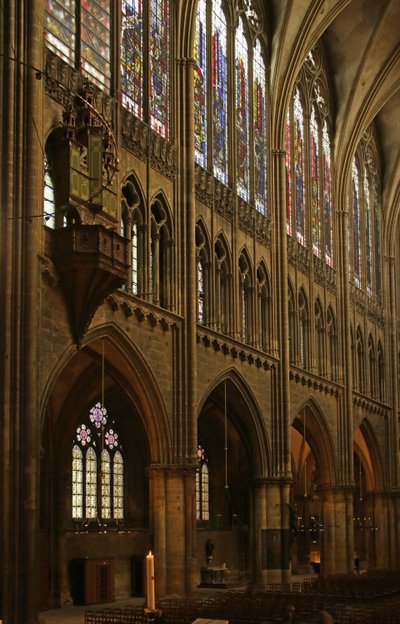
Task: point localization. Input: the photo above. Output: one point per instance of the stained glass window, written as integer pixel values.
(298, 130)
(200, 87)
(97, 469)
(356, 226)
(314, 175)
(377, 246)
(91, 483)
(242, 113)
(159, 66)
(95, 40)
(259, 125)
(60, 28)
(77, 482)
(118, 485)
(368, 235)
(327, 198)
(202, 486)
(105, 484)
(132, 56)
(91, 43)
(288, 160)
(200, 292)
(219, 93)
(49, 207)
(134, 244)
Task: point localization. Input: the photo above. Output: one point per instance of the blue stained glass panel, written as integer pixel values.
(242, 113)
(259, 116)
(131, 62)
(298, 129)
(159, 66)
(200, 87)
(219, 93)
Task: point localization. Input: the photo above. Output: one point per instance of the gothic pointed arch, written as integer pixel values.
(133, 220)
(332, 344)
(246, 296)
(223, 284)
(304, 329)
(264, 312)
(319, 337)
(292, 307)
(162, 258)
(204, 272)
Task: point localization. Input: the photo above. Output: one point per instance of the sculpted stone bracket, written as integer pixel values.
(91, 261)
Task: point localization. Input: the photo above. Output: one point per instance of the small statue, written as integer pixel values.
(209, 551)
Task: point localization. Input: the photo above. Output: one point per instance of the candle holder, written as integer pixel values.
(152, 615)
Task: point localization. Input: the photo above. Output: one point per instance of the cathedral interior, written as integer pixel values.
(200, 319)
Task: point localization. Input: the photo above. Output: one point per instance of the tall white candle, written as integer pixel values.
(151, 594)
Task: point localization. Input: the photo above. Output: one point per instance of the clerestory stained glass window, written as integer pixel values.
(200, 86)
(159, 66)
(298, 131)
(315, 178)
(368, 234)
(90, 45)
(219, 85)
(288, 163)
(242, 112)
(132, 56)
(356, 225)
(95, 41)
(327, 196)
(97, 469)
(60, 28)
(259, 125)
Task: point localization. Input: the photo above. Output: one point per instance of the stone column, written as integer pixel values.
(337, 545)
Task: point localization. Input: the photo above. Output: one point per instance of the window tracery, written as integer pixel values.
(202, 486)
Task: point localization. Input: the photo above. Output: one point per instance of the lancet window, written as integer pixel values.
(80, 32)
(216, 93)
(97, 469)
(202, 486)
(308, 161)
(365, 218)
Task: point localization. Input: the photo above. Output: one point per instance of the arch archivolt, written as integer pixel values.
(76, 382)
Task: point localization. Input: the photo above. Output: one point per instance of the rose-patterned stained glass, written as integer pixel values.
(111, 439)
(314, 175)
(298, 149)
(95, 41)
(83, 435)
(200, 86)
(219, 79)
(355, 196)
(242, 113)
(327, 196)
(98, 415)
(77, 482)
(91, 484)
(259, 128)
(105, 484)
(60, 28)
(368, 234)
(159, 31)
(131, 59)
(118, 486)
(288, 163)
